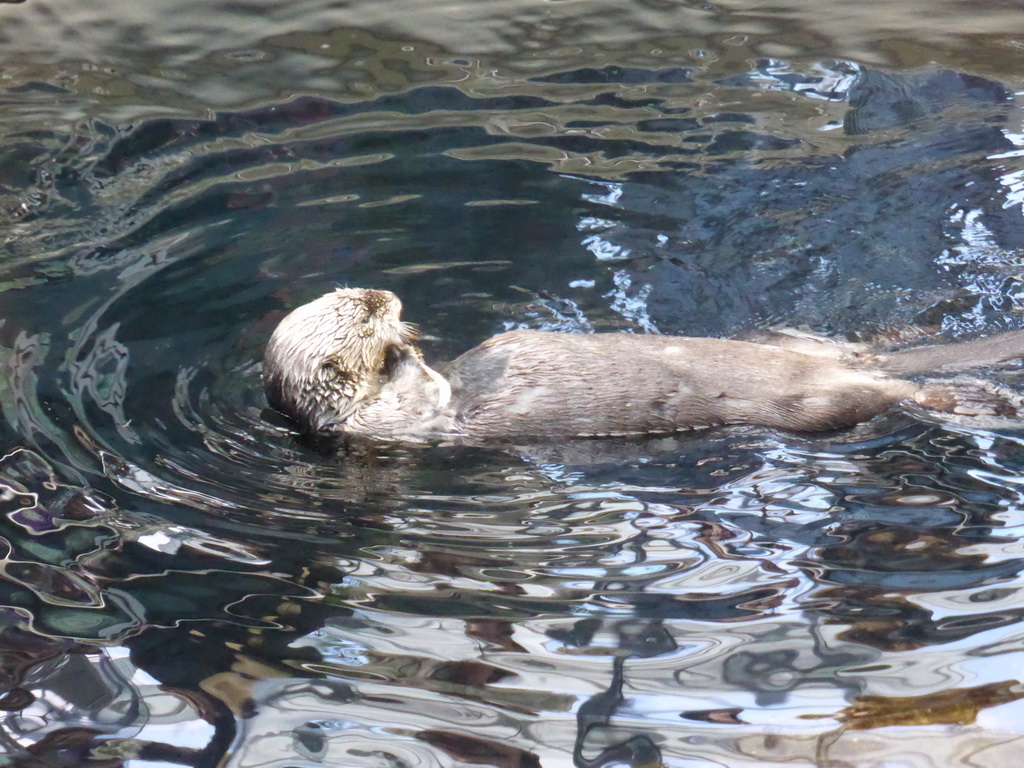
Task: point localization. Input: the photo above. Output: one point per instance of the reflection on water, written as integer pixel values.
(183, 581)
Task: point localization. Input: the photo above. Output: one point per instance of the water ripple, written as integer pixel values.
(232, 594)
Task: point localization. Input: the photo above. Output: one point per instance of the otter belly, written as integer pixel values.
(538, 384)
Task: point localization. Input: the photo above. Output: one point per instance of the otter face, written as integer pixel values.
(328, 356)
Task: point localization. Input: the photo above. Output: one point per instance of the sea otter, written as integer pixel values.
(346, 364)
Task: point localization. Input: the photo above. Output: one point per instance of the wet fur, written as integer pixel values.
(345, 364)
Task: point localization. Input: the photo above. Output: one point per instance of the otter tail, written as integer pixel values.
(1001, 348)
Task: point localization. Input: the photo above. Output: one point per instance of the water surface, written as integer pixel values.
(185, 582)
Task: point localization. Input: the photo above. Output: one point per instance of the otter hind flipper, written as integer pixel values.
(972, 398)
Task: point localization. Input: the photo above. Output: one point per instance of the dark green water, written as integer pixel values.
(183, 582)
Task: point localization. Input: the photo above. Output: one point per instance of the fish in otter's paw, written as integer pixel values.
(345, 364)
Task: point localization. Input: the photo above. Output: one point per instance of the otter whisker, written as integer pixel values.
(409, 332)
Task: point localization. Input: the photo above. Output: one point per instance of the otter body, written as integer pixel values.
(542, 384)
(345, 364)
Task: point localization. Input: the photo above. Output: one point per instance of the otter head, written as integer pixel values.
(329, 356)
